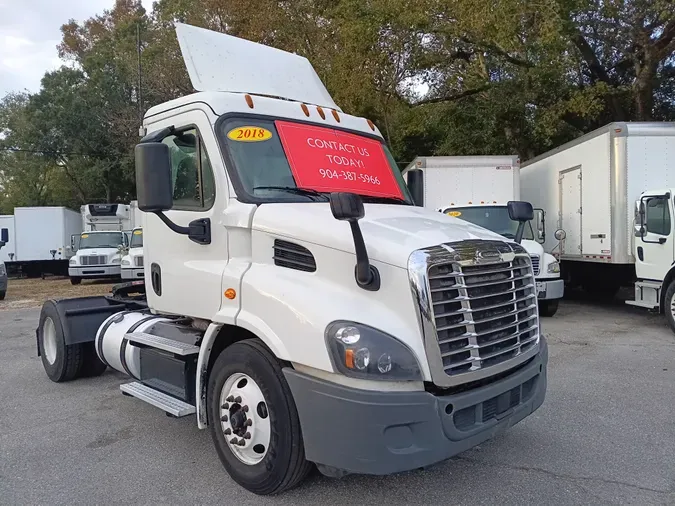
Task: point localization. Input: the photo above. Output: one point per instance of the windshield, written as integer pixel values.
(101, 240)
(136, 239)
(278, 161)
(493, 218)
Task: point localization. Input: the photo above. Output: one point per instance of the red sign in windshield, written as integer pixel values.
(328, 160)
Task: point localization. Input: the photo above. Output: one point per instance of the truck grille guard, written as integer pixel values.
(477, 308)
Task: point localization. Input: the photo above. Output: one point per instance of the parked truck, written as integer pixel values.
(102, 244)
(39, 239)
(4, 239)
(296, 302)
(477, 189)
(609, 193)
(132, 262)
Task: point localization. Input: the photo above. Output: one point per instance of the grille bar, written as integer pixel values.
(535, 264)
(493, 318)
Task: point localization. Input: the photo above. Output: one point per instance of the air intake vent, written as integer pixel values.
(293, 256)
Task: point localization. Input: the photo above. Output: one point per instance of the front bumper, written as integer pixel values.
(549, 289)
(95, 271)
(370, 432)
(133, 273)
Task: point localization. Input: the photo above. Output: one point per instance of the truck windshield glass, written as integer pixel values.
(101, 240)
(278, 161)
(493, 218)
(136, 239)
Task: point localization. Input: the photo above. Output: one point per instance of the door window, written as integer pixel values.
(192, 178)
(658, 216)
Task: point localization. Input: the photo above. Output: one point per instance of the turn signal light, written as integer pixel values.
(230, 293)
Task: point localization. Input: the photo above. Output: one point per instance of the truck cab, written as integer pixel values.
(654, 251)
(294, 293)
(132, 262)
(98, 256)
(4, 239)
(495, 217)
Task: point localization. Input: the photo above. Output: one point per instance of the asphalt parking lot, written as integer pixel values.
(605, 434)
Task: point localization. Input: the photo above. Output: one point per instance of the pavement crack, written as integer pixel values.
(563, 475)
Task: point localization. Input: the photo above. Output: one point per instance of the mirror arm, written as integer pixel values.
(175, 228)
(519, 232)
(367, 275)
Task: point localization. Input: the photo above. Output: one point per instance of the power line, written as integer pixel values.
(17, 150)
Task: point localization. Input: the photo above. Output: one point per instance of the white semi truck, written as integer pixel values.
(297, 303)
(610, 191)
(102, 244)
(477, 189)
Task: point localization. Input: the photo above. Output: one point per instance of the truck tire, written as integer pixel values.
(2, 295)
(669, 305)
(548, 307)
(75, 281)
(253, 420)
(61, 362)
(91, 365)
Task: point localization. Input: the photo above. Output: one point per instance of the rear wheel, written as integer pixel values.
(75, 281)
(548, 307)
(253, 420)
(2, 295)
(61, 362)
(669, 305)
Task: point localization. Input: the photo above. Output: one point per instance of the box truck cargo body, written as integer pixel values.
(589, 188)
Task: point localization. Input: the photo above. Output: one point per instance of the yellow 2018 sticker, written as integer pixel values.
(454, 214)
(84, 236)
(249, 134)
(138, 232)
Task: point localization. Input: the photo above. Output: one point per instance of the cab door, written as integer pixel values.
(654, 246)
(183, 276)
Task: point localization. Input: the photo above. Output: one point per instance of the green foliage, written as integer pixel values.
(507, 77)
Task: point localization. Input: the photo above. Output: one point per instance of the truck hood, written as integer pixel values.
(391, 232)
(533, 247)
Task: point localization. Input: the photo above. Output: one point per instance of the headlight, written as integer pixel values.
(73, 261)
(126, 262)
(116, 260)
(364, 352)
(553, 267)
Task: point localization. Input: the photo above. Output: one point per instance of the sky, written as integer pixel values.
(30, 30)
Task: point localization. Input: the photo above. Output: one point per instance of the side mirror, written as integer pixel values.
(521, 212)
(74, 242)
(560, 234)
(416, 186)
(4, 235)
(349, 207)
(153, 177)
(540, 225)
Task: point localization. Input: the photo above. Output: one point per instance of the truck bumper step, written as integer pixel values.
(162, 343)
(170, 405)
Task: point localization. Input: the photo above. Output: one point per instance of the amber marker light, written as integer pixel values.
(230, 293)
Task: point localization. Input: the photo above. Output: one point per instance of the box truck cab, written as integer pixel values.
(99, 255)
(477, 189)
(297, 303)
(132, 262)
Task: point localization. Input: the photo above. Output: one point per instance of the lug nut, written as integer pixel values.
(227, 432)
(230, 398)
(225, 406)
(234, 441)
(248, 423)
(223, 418)
(237, 399)
(242, 442)
(247, 435)
(245, 409)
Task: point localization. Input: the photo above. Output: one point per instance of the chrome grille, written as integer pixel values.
(93, 260)
(535, 264)
(139, 261)
(478, 308)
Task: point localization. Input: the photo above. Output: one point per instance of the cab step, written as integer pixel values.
(170, 405)
(162, 343)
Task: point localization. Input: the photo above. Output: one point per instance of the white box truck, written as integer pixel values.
(40, 239)
(8, 252)
(609, 193)
(297, 304)
(477, 189)
(4, 240)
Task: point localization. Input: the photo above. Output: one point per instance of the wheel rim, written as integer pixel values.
(672, 305)
(49, 340)
(244, 418)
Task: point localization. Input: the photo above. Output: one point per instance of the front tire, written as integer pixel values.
(669, 305)
(2, 295)
(253, 420)
(548, 307)
(61, 362)
(75, 281)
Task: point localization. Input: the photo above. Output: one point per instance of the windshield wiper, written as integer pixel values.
(374, 199)
(299, 191)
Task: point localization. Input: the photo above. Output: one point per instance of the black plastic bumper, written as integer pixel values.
(369, 432)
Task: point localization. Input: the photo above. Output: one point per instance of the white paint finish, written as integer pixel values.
(570, 211)
(373, 386)
(657, 258)
(7, 221)
(41, 229)
(391, 232)
(460, 180)
(247, 67)
(298, 306)
(122, 220)
(191, 280)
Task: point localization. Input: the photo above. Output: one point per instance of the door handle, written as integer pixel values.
(641, 254)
